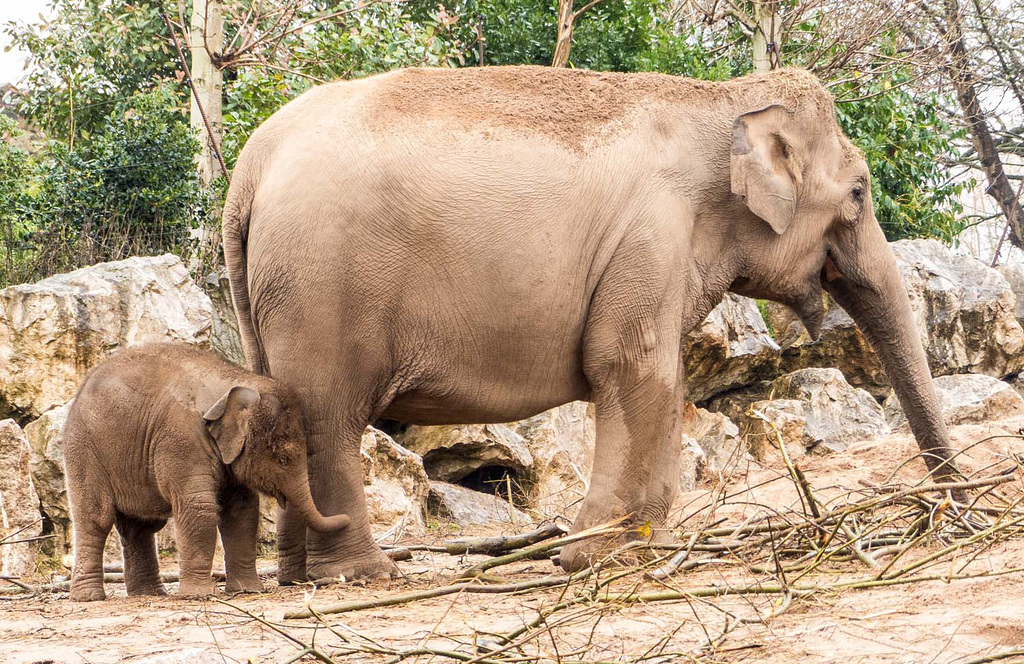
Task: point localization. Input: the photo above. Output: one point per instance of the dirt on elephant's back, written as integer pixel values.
(917, 622)
(571, 106)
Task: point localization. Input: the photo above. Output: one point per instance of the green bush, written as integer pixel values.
(131, 188)
(15, 181)
(92, 56)
(906, 141)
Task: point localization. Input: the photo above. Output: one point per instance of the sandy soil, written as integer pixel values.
(921, 622)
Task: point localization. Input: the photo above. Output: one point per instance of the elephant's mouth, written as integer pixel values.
(811, 309)
(829, 271)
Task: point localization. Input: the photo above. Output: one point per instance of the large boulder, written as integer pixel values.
(1014, 275)
(561, 442)
(964, 399)
(730, 349)
(814, 410)
(54, 331)
(395, 483)
(19, 506)
(965, 312)
(225, 339)
(452, 453)
(547, 458)
(718, 440)
(692, 461)
(467, 507)
(45, 438)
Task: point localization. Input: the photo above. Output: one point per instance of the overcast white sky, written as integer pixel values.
(12, 62)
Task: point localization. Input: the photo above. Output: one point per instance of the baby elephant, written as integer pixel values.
(168, 430)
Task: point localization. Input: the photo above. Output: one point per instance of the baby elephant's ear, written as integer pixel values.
(228, 420)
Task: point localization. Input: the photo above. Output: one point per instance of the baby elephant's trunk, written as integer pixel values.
(302, 501)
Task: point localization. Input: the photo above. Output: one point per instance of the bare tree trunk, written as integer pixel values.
(965, 83)
(566, 22)
(563, 43)
(765, 42)
(207, 37)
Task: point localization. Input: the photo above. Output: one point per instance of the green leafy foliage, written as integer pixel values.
(905, 141)
(91, 56)
(15, 181)
(131, 188)
(615, 35)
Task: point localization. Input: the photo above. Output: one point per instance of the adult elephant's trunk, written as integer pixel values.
(299, 497)
(861, 275)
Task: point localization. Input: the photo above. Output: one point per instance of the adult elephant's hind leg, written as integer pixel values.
(337, 396)
(336, 482)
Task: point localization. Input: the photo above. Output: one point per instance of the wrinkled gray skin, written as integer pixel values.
(168, 430)
(479, 245)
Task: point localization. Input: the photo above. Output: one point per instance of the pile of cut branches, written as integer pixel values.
(858, 538)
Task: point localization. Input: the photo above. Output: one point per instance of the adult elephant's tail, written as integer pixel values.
(235, 236)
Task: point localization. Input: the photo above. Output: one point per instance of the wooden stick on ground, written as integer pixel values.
(498, 545)
(522, 554)
(416, 595)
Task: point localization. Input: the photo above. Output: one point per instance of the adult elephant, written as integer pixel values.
(478, 245)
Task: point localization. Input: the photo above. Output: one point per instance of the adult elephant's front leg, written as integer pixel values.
(336, 482)
(636, 461)
(636, 470)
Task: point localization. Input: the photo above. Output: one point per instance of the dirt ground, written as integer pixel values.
(963, 620)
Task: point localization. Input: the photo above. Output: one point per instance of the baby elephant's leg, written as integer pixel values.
(141, 565)
(195, 523)
(93, 517)
(239, 524)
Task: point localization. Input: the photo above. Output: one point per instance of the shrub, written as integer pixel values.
(130, 189)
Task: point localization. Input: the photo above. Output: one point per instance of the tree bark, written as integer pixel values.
(206, 38)
(566, 22)
(563, 43)
(965, 84)
(766, 33)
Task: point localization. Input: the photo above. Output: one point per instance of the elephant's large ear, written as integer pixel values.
(228, 420)
(766, 168)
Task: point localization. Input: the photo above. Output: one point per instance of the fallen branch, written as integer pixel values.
(778, 589)
(440, 591)
(522, 554)
(307, 649)
(113, 574)
(494, 546)
(994, 657)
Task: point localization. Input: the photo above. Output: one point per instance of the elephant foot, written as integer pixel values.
(610, 551)
(375, 565)
(88, 594)
(157, 590)
(244, 584)
(197, 589)
(291, 572)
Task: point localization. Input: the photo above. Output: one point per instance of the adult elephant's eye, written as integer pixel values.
(858, 194)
